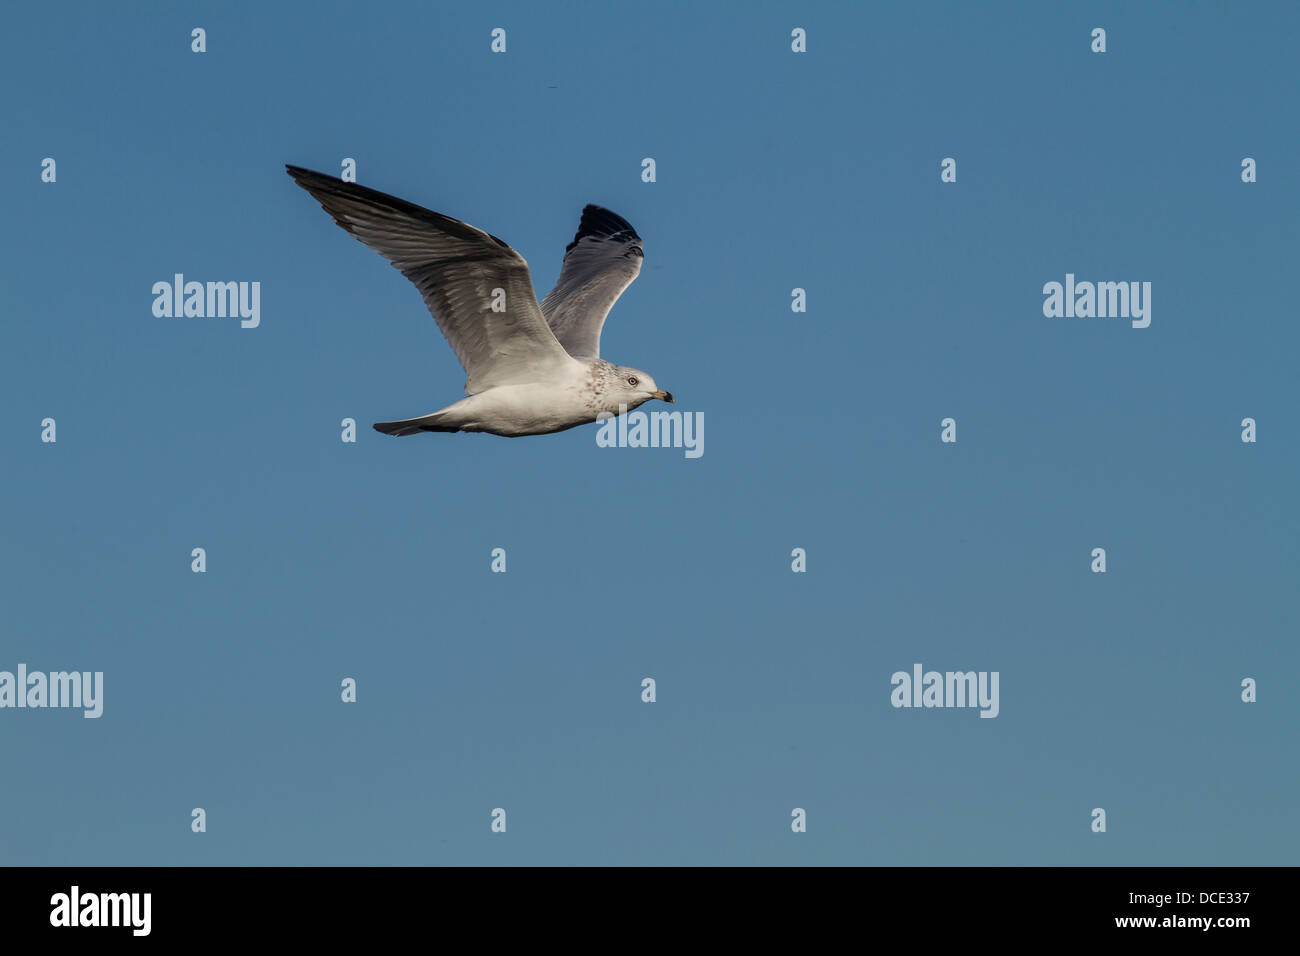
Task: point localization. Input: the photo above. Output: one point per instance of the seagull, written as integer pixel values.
(531, 369)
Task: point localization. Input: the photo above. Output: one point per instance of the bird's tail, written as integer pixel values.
(413, 426)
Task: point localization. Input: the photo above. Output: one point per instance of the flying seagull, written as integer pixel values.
(531, 369)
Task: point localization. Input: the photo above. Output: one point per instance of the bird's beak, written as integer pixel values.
(661, 394)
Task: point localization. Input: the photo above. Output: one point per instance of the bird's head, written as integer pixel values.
(633, 387)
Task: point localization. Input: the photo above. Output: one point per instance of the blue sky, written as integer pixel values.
(521, 690)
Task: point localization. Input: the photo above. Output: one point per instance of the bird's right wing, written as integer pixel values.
(462, 273)
(603, 259)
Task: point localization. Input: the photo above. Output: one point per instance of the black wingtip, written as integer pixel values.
(302, 176)
(600, 223)
(327, 189)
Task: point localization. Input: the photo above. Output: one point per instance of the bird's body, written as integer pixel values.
(532, 369)
(576, 397)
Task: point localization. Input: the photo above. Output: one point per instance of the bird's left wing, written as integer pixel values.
(477, 288)
(603, 259)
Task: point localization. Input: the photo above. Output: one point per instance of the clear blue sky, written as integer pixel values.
(478, 690)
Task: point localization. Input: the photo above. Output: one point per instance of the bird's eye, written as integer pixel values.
(632, 380)
(636, 251)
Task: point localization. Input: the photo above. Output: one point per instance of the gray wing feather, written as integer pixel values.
(456, 267)
(603, 259)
